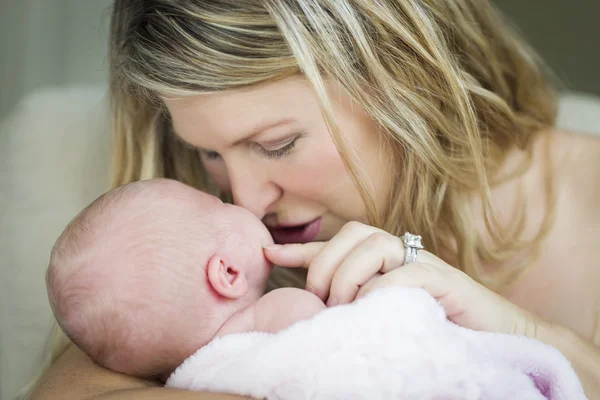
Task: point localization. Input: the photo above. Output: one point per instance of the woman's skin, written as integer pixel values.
(75, 376)
(291, 173)
(557, 301)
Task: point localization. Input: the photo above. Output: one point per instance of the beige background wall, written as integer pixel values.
(566, 32)
(50, 42)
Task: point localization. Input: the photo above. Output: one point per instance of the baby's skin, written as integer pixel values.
(154, 270)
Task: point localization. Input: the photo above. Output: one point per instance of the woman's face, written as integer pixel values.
(270, 147)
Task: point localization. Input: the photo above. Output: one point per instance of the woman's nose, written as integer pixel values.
(253, 190)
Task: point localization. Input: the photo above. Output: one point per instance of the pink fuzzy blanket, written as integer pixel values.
(393, 344)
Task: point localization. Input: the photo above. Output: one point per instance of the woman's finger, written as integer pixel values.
(325, 264)
(322, 260)
(451, 287)
(414, 275)
(379, 252)
(299, 255)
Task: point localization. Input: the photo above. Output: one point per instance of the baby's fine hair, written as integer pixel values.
(121, 269)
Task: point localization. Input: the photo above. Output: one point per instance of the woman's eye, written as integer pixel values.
(280, 152)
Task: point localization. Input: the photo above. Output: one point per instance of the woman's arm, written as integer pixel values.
(583, 355)
(76, 376)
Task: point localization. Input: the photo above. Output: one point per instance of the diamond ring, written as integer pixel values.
(412, 244)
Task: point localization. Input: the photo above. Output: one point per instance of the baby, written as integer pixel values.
(152, 271)
(154, 278)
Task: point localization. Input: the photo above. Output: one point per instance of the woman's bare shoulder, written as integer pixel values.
(564, 283)
(577, 186)
(580, 151)
(75, 366)
(76, 376)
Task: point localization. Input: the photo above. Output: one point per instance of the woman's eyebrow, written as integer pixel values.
(261, 128)
(253, 133)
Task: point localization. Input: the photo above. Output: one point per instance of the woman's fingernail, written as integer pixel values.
(273, 247)
(332, 301)
(311, 289)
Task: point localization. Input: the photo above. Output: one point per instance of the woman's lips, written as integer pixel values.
(296, 234)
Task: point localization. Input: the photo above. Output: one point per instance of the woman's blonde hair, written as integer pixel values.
(451, 84)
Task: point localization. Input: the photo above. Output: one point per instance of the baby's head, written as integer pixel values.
(150, 271)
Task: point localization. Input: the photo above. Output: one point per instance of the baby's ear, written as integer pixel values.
(227, 280)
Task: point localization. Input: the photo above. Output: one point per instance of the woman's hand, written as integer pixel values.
(361, 258)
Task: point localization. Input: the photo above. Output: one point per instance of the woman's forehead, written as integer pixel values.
(238, 115)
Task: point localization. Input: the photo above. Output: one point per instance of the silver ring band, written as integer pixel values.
(412, 244)
(411, 255)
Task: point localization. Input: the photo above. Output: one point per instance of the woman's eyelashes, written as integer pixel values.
(273, 154)
(280, 152)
